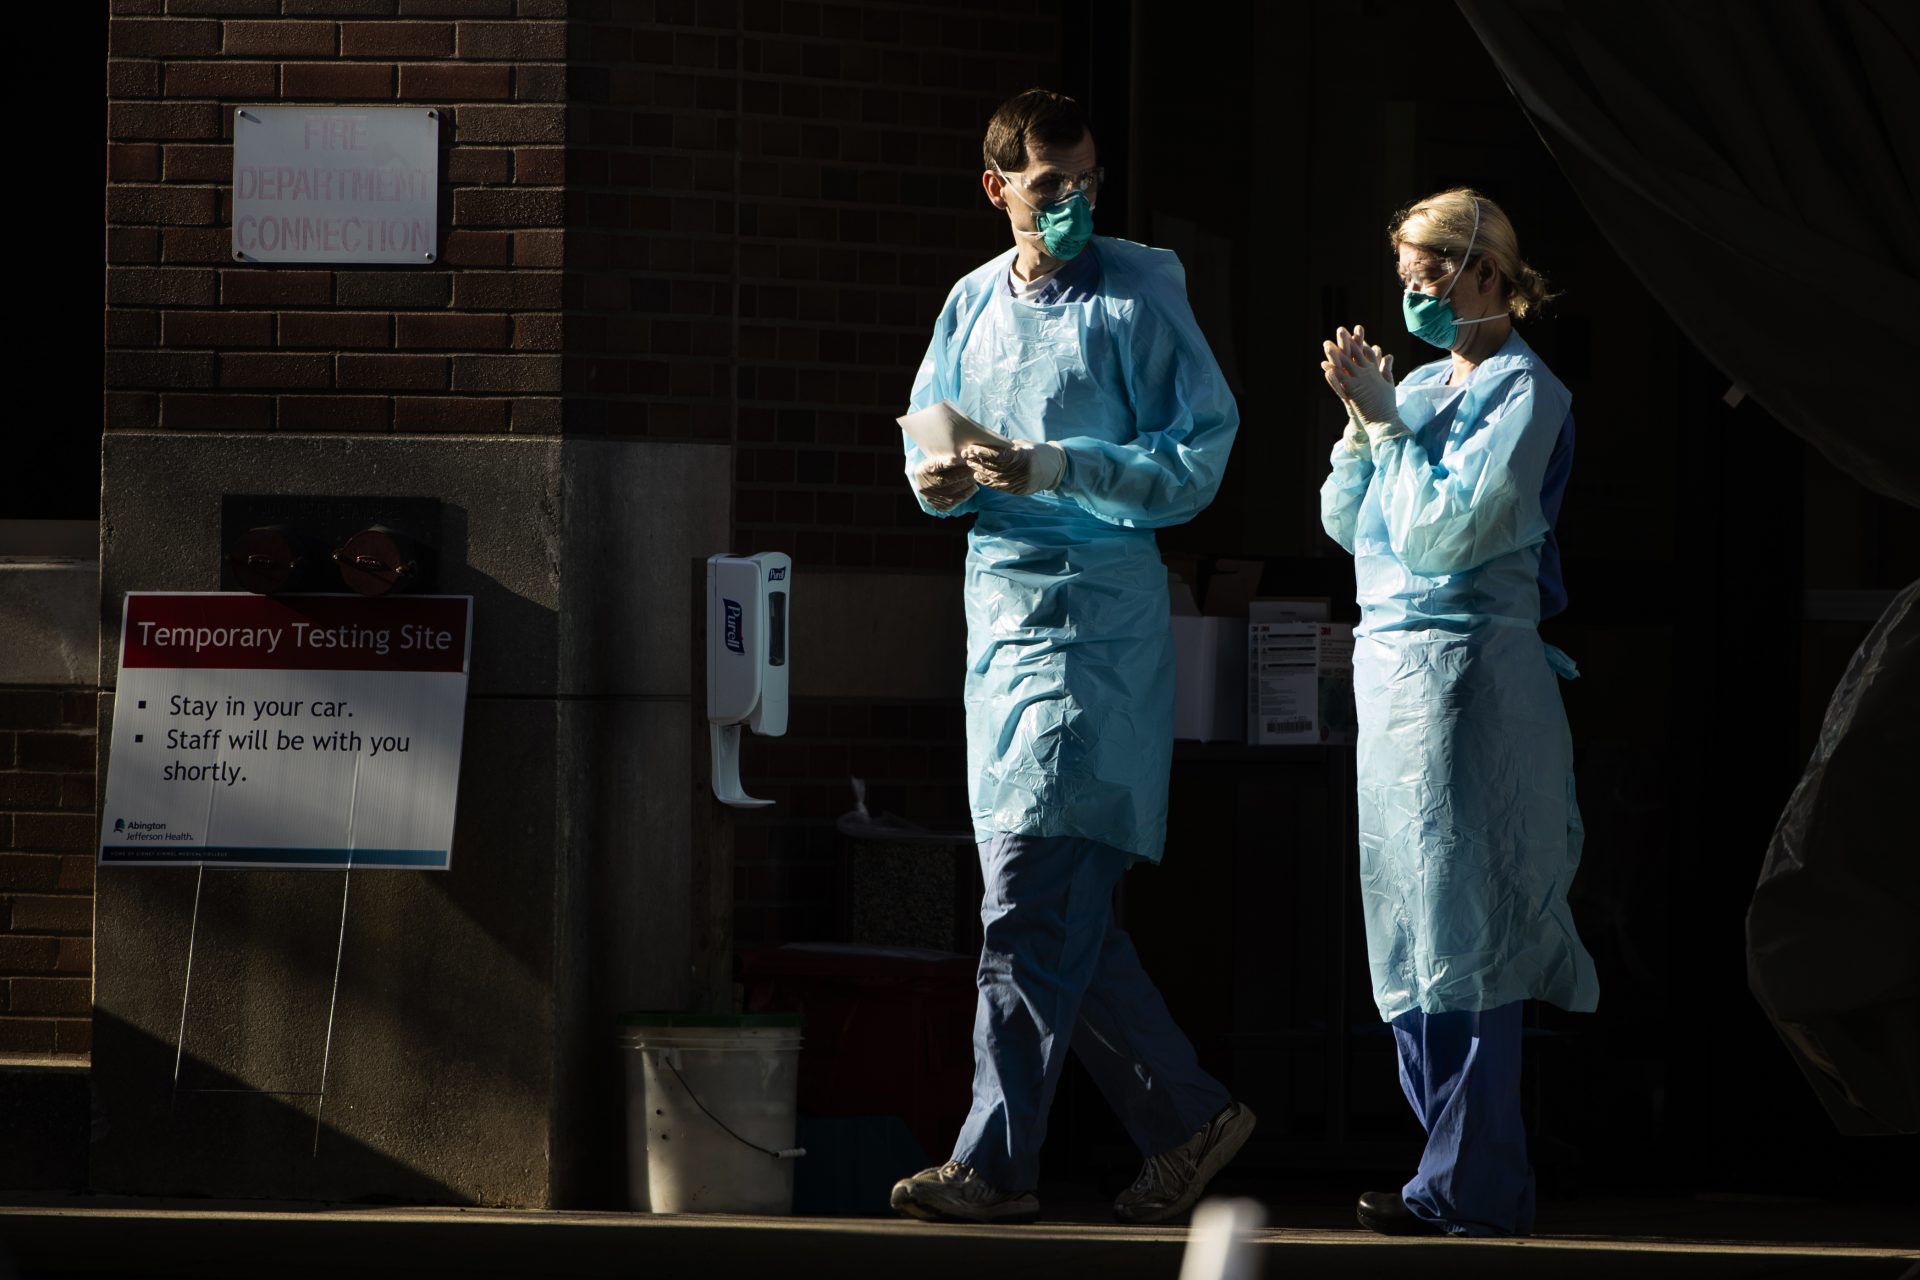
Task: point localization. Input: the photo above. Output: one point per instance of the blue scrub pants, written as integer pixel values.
(1054, 969)
(1461, 1072)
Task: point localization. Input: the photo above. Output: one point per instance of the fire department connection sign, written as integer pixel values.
(315, 184)
(287, 731)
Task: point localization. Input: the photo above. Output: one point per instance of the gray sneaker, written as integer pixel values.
(955, 1193)
(1172, 1181)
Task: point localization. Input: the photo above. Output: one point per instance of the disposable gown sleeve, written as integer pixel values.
(1341, 493)
(1480, 500)
(932, 384)
(1184, 416)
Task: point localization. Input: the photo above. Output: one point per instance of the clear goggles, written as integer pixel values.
(1048, 188)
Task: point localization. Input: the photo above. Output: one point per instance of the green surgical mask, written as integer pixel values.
(1431, 319)
(1065, 226)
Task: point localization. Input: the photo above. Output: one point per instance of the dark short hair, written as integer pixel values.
(1038, 115)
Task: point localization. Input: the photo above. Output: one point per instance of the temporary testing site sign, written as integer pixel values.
(287, 731)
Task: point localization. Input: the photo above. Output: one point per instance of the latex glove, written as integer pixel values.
(944, 483)
(1355, 436)
(1362, 376)
(1019, 468)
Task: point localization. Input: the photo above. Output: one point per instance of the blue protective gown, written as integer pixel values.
(1469, 834)
(1069, 686)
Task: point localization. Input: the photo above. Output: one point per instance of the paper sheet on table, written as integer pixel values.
(940, 430)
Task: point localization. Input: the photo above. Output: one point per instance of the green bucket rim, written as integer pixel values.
(715, 1020)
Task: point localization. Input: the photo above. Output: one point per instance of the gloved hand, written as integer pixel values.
(1363, 377)
(1355, 436)
(1019, 468)
(944, 483)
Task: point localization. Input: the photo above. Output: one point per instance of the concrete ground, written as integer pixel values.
(96, 1236)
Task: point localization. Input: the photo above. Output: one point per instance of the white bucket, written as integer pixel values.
(692, 1078)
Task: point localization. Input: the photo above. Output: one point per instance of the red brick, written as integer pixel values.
(506, 373)
(129, 79)
(337, 8)
(224, 8)
(507, 290)
(537, 332)
(133, 162)
(164, 286)
(476, 248)
(479, 164)
(30, 955)
(133, 244)
(73, 955)
(52, 995)
(190, 206)
(72, 1035)
(29, 871)
(334, 413)
(337, 80)
(221, 79)
(26, 1035)
(275, 369)
(522, 39)
(281, 39)
(35, 913)
(425, 82)
(453, 332)
(137, 36)
(334, 329)
(435, 413)
(533, 83)
(158, 369)
(396, 39)
(76, 869)
(539, 248)
(509, 208)
(540, 165)
(52, 832)
(216, 412)
(245, 287)
(198, 246)
(401, 288)
(132, 328)
(164, 120)
(197, 162)
(217, 329)
(80, 708)
(130, 410)
(76, 792)
(392, 373)
(29, 790)
(29, 708)
(509, 124)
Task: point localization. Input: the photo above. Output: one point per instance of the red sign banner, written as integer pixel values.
(232, 631)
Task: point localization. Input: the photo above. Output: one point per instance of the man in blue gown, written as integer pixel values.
(1083, 352)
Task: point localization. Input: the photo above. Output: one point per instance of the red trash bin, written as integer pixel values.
(889, 1030)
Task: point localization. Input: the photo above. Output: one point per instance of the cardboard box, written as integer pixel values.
(1210, 671)
(1210, 679)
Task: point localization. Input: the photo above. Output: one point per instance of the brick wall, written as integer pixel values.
(716, 220)
(46, 869)
(195, 341)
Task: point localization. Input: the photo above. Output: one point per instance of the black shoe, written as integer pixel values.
(1387, 1213)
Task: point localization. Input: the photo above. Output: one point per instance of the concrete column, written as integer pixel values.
(471, 1056)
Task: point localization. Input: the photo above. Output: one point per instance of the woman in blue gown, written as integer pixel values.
(1445, 489)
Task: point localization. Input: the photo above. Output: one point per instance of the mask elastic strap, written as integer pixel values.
(1464, 260)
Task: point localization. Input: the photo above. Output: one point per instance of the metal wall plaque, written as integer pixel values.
(336, 184)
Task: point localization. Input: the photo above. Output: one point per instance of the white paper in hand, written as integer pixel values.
(941, 430)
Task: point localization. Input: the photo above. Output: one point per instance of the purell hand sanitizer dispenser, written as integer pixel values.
(746, 660)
